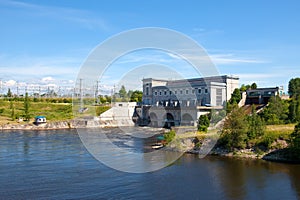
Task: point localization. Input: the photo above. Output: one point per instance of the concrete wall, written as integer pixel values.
(121, 113)
(232, 82)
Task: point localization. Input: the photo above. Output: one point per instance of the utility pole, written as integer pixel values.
(112, 95)
(17, 89)
(80, 93)
(58, 92)
(96, 92)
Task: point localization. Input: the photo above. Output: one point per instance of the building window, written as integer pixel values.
(175, 91)
(187, 92)
(170, 92)
(180, 91)
(147, 90)
(206, 91)
(155, 93)
(199, 91)
(165, 92)
(219, 97)
(193, 91)
(159, 93)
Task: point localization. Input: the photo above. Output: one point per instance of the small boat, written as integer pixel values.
(157, 146)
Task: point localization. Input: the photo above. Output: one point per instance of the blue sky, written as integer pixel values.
(45, 42)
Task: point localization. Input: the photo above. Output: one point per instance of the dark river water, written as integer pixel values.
(56, 165)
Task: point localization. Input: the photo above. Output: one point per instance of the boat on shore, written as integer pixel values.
(157, 146)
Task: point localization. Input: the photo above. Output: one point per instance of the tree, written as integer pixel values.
(276, 112)
(123, 93)
(294, 88)
(256, 125)
(295, 140)
(26, 107)
(136, 96)
(234, 133)
(108, 98)
(294, 110)
(103, 99)
(9, 94)
(235, 97)
(253, 86)
(203, 123)
(294, 107)
(244, 87)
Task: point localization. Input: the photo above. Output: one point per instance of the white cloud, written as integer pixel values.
(221, 59)
(30, 67)
(48, 79)
(10, 83)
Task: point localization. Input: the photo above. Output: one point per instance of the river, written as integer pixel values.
(56, 165)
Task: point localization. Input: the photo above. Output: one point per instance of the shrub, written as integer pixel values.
(234, 133)
(203, 123)
(295, 138)
(169, 136)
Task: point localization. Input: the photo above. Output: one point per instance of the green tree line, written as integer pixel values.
(132, 96)
(241, 129)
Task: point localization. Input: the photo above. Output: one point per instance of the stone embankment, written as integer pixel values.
(68, 124)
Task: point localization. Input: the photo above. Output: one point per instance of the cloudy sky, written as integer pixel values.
(46, 42)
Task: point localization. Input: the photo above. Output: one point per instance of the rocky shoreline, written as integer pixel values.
(68, 124)
(189, 146)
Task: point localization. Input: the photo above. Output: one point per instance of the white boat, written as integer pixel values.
(157, 146)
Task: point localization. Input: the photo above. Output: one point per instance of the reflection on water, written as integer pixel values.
(55, 164)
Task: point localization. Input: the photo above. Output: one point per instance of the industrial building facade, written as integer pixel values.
(181, 102)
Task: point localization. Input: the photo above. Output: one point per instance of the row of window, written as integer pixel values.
(165, 92)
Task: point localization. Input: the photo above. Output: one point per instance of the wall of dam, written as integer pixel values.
(120, 114)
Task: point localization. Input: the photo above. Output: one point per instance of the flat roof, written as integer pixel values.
(196, 79)
(261, 89)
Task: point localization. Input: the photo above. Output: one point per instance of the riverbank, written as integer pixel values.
(67, 124)
(203, 145)
(190, 145)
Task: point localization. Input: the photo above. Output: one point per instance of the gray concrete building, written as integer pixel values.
(181, 102)
(262, 95)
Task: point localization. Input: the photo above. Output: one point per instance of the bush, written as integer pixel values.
(295, 138)
(234, 133)
(169, 136)
(203, 123)
(202, 128)
(267, 140)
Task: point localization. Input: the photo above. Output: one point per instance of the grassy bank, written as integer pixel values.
(10, 112)
(275, 140)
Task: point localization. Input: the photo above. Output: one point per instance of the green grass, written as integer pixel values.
(52, 111)
(273, 133)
